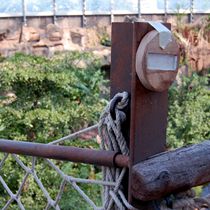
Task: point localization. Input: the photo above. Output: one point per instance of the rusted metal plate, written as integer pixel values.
(145, 128)
(122, 62)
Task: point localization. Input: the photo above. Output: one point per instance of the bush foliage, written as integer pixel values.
(189, 111)
(42, 100)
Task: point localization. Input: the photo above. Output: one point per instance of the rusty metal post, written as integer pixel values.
(145, 128)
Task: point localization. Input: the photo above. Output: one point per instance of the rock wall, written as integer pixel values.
(41, 37)
(194, 41)
(51, 39)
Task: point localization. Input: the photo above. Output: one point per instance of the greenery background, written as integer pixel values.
(43, 99)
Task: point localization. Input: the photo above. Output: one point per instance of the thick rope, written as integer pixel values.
(110, 132)
(75, 135)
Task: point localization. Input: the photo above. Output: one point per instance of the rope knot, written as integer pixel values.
(112, 139)
(119, 102)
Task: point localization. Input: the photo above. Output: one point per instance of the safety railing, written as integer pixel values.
(56, 8)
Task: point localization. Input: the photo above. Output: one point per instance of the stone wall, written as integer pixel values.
(42, 37)
(45, 38)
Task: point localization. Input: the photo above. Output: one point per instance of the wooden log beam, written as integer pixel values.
(171, 171)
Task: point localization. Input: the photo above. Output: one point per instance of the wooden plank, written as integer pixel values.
(171, 171)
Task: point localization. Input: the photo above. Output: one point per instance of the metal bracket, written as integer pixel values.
(165, 36)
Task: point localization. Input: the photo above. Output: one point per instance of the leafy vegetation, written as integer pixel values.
(105, 39)
(189, 112)
(42, 100)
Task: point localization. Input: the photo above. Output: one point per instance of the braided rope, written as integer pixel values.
(112, 139)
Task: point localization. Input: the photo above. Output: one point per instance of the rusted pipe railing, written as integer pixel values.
(74, 154)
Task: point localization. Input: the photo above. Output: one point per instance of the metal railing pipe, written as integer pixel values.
(74, 154)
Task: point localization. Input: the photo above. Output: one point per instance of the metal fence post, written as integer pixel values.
(191, 11)
(165, 10)
(84, 20)
(54, 11)
(139, 8)
(24, 12)
(111, 10)
(146, 121)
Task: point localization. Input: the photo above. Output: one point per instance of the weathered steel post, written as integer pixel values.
(145, 128)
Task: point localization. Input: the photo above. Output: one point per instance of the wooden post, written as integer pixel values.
(145, 128)
(172, 171)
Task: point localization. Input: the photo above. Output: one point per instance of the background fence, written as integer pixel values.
(24, 8)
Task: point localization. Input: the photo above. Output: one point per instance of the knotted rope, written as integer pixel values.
(112, 139)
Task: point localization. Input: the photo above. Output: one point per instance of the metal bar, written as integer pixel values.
(74, 154)
(24, 12)
(191, 11)
(139, 8)
(84, 19)
(54, 11)
(165, 10)
(111, 10)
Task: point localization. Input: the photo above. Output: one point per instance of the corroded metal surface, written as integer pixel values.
(145, 128)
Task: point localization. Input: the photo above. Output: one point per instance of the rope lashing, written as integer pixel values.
(112, 138)
(110, 132)
(109, 126)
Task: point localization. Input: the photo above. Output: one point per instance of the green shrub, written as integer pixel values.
(189, 112)
(105, 40)
(42, 100)
(51, 97)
